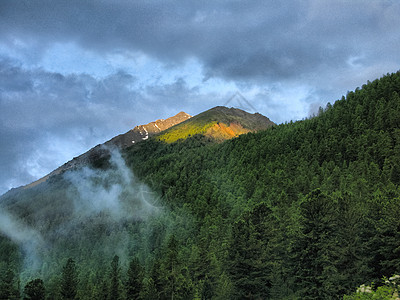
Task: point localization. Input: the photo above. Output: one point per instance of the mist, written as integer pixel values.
(28, 239)
(87, 214)
(115, 192)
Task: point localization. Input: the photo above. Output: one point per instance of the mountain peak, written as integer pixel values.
(143, 132)
(219, 123)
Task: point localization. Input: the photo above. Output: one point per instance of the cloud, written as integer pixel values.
(75, 73)
(236, 40)
(27, 238)
(111, 198)
(114, 191)
(47, 118)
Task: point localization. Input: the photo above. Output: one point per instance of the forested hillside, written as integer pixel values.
(303, 210)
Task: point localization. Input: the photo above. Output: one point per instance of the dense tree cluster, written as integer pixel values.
(304, 210)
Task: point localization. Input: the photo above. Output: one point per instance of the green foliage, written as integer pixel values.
(315, 248)
(8, 285)
(114, 291)
(320, 178)
(69, 280)
(249, 253)
(35, 290)
(388, 291)
(303, 210)
(149, 291)
(134, 282)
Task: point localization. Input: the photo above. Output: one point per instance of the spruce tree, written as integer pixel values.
(114, 290)
(171, 268)
(315, 248)
(135, 280)
(149, 291)
(250, 266)
(69, 280)
(8, 289)
(35, 290)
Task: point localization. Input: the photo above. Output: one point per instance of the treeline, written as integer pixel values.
(303, 210)
(113, 286)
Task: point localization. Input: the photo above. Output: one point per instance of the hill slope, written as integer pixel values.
(137, 134)
(143, 132)
(305, 210)
(219, 123)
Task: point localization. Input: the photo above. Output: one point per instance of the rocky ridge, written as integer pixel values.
(135, 135)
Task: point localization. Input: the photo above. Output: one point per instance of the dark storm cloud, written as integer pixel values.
(46, 118)
(178, 95)
(232, 39)
(26, 94)
(43, 114)
(275, 50)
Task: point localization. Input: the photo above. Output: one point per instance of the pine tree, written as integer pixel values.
(171, 267)
(135, 280)
(7, 286)
(35, 290)
(103, 290)
(250, 267)
(388, 236)
(224, 288)
(149, 291)
(69, 280)
(315, 248)
(114, 292)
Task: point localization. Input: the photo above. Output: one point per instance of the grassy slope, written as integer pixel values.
(203, 122)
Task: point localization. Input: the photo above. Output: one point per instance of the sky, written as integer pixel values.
(75, 73)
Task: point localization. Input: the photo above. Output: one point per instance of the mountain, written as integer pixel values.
(135, 135)
(219, 123)
(74, 204)
(302, 210)
(143, 132)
